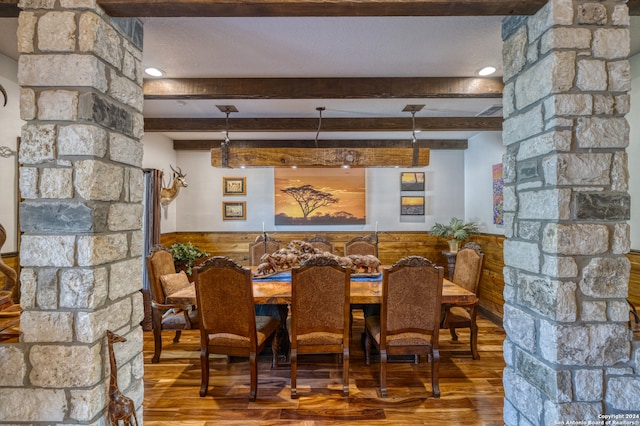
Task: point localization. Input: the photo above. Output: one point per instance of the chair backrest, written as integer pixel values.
(361, 245)
(321, 243)
(260, 247)
(224, 295)
(159, 263)
(468, 269)
(320, 292)
(411, 298)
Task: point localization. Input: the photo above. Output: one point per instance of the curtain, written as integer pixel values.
(151, 232)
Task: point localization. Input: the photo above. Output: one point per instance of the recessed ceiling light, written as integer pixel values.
(154, 72)
(486, 71)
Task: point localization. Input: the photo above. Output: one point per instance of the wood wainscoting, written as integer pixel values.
(391, 247)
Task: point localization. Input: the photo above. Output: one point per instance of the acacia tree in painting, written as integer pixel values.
(309, 199)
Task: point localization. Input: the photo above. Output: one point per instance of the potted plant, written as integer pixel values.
(456, 231)
(185, 256)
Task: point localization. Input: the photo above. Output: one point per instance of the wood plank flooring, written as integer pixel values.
(472, 392)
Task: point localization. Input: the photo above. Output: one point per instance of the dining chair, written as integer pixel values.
(163, 281)
(320, 290)
(228, 322)
(362, 246)
(467, 274)
(409, 319)
(264, 243)
(321, 243)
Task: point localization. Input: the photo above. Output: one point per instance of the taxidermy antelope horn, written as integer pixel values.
(4, 93)
(167, 195)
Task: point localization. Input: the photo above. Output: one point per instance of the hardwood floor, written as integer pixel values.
(472, 392)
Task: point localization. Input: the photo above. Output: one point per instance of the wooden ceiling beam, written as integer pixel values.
(9, 9)
(206, 145)
(265, 8)
(292, 8)
(328, 124)
(320, 157)
(323, 88)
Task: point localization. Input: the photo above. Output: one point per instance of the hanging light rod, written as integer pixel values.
(224, 146)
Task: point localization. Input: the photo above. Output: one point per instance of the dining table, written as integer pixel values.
(275, 289)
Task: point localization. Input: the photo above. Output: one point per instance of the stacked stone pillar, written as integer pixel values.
(81, 214)
(568, 352)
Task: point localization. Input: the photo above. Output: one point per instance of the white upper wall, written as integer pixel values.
(199, 207)
(484, 150)
(633, 152)
(10, 128)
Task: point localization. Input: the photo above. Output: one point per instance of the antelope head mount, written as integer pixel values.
(168, 194)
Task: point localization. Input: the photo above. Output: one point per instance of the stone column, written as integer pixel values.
(81, 216)
(568, 351)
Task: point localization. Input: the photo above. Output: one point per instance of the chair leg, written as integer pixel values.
(435, 372)
(474, 340)
(157, 343)
(345, 371)
(383, 373)
(274, 351)
(367, 348)
(204, 371)
(176, 339)
(294, 368)
(253, 368)
(452, 331)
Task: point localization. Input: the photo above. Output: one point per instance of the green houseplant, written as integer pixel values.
(185, 256)
(456, 231)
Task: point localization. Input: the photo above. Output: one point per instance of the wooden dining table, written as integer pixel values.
(364, 290)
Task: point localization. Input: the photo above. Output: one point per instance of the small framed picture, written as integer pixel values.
(411, 206)
(412, 181)
(234, 210)
(234, 186)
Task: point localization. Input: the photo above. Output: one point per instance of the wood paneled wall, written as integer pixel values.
(391, 247)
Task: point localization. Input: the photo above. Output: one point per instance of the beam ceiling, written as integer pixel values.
(328, 124)
(293, 8)
(206, 145)
(322, 88)
(266, 8)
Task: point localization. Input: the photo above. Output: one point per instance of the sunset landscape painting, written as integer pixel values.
(319, 196)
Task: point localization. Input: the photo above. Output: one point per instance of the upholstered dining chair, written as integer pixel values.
(362, 246)
(409, 320)
(164, 280)
(228, 322)
(264, 243)
(320, 291)
(467, 274)
(321, 243)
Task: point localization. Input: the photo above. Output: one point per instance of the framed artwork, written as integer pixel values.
(411, 205)
(234, 210)
(412, 181)
(317, 196)
(234, 186)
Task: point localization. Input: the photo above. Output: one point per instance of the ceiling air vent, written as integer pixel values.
(492, 110)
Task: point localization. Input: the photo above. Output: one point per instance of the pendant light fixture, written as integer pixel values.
(414, 140)
(319, 109)
(227, 109)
